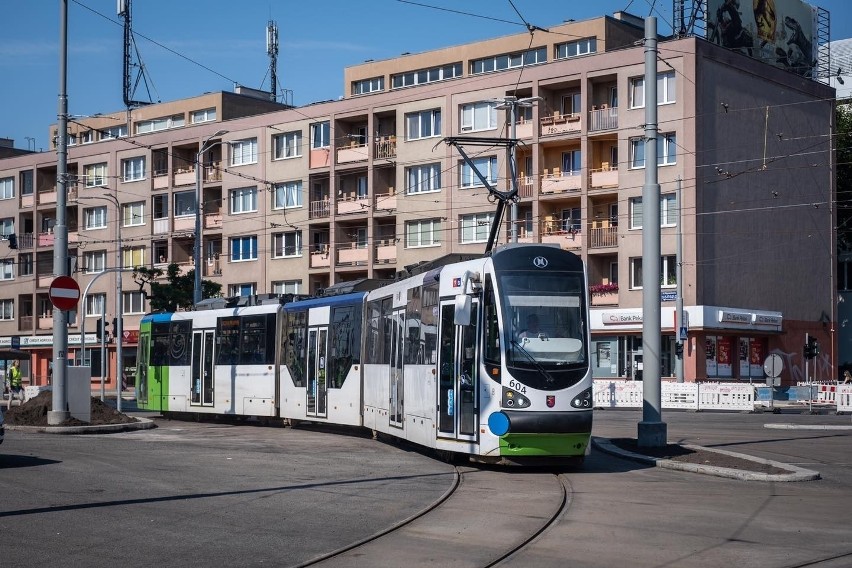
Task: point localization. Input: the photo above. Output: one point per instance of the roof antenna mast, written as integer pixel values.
(123, 10)
(272, 52)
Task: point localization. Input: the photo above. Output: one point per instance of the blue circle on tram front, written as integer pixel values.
(498, 422)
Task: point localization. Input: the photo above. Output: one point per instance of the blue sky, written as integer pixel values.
(191, 46)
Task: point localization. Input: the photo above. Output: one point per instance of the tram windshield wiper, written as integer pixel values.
(536, 364)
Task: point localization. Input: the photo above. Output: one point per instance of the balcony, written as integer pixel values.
(352, 254)
(25, 241)
(604, 118)
(525, 233)
(604, 177)
(185, 223)
(185, 176)
(25, 323)
(45, 322)
(559, 181)
(353, 204)
(606, 297)
(525, 185)
(355, 152)
(213, 172)
(319, 209)
(603, 237)
(46, 239)
(161, 179)
(560, 123)
(559, 232)
(47, 197)
(385, 147)
(212, 267)
(27, 200)
(162, 226)
(524, 129)
(213, 220)
(319, 257)
(385, 202)
(385, 252)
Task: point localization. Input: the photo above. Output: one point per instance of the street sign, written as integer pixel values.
(773, 365)
(16, 342)
(684, 333)
(64, 293)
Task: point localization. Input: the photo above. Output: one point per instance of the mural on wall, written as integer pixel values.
(779, 32)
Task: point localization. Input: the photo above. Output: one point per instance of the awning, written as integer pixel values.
(9, 354)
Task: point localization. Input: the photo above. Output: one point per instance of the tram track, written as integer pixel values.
(483, 520)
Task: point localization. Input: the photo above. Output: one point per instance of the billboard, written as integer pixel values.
(779, 32)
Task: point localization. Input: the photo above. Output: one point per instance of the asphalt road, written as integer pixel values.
(200, 494)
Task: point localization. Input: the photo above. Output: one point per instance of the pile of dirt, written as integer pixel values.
(34, 413)
(676, 452)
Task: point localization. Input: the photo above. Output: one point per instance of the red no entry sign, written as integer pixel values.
(64, 293)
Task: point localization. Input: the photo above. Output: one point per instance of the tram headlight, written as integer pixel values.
(583, 400)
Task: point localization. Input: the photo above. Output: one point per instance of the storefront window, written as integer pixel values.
(719, 357)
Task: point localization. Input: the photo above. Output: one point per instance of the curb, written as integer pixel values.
(140, 424)
(796, 473)
(809, 426)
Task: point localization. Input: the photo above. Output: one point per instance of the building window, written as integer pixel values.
(114, 132)
(475, 228)
(244, 152)
(478, 116)
(243, 200)
(133, 257)
(7, 226)
(133, 169)
(94, 261)
(26, 182)
(666, 150)
(133, 214)
(374, 85)
(287, 195)
(666, 85)
(247, 289)
(424, 179)
(162, 123)
(508, 61)
(243, 248)
(668, 272)
(96, 175)
(485, 166)
(572, 162)
(7, 310)
(576, 48)
(184, 204)
(87, 137)
(287, 244)
(423, 233)
(133, 302)
(95, 305)
(286, 287)
(7, 188)
(287, 145)
(320, 135)
(423, 124)
(95, 217)
(423, 76)
(25, 264)
(7, 269)
(572, 220)
(668, 211)
(205, 115)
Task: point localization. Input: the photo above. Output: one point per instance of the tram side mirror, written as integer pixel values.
(462, 315)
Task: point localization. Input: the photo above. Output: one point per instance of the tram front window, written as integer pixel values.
(544, 329)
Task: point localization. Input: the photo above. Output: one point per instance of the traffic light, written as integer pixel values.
(99, 328)
(679, 349)
(811, 348)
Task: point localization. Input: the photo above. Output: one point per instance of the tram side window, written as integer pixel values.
(345, 342)
(492, 329)
(413, 334)
(429, 324)
(294, 346)
(228, 339)
(374, 343)
(387, 330)
(179, 343)
(160, 339)
(258, 347)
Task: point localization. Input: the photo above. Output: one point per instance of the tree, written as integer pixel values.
(843, 170)
(178, 290)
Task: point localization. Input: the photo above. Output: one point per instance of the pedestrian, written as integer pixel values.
(847, 377)
(15, 386)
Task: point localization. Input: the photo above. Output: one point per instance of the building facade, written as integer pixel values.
(300, 199)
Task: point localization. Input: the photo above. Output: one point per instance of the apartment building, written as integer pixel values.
(300, 199)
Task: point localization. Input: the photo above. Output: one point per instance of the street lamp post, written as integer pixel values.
(205, 145)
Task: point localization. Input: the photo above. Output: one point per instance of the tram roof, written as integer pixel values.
(355, 297)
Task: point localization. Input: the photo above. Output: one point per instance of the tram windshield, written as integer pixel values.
(544, 328)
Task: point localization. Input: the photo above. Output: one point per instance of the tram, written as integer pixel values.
(442, 358)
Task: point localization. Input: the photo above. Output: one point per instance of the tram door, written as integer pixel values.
(202, 367)
(457, 384)
(396, 412)
(142, 368)
(317, 391)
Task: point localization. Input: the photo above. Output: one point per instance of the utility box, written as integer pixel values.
(79, 382)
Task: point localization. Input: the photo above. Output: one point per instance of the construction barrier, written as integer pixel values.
(689, 396)
(844, 398)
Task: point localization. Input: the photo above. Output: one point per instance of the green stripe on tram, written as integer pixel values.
(544, 444)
